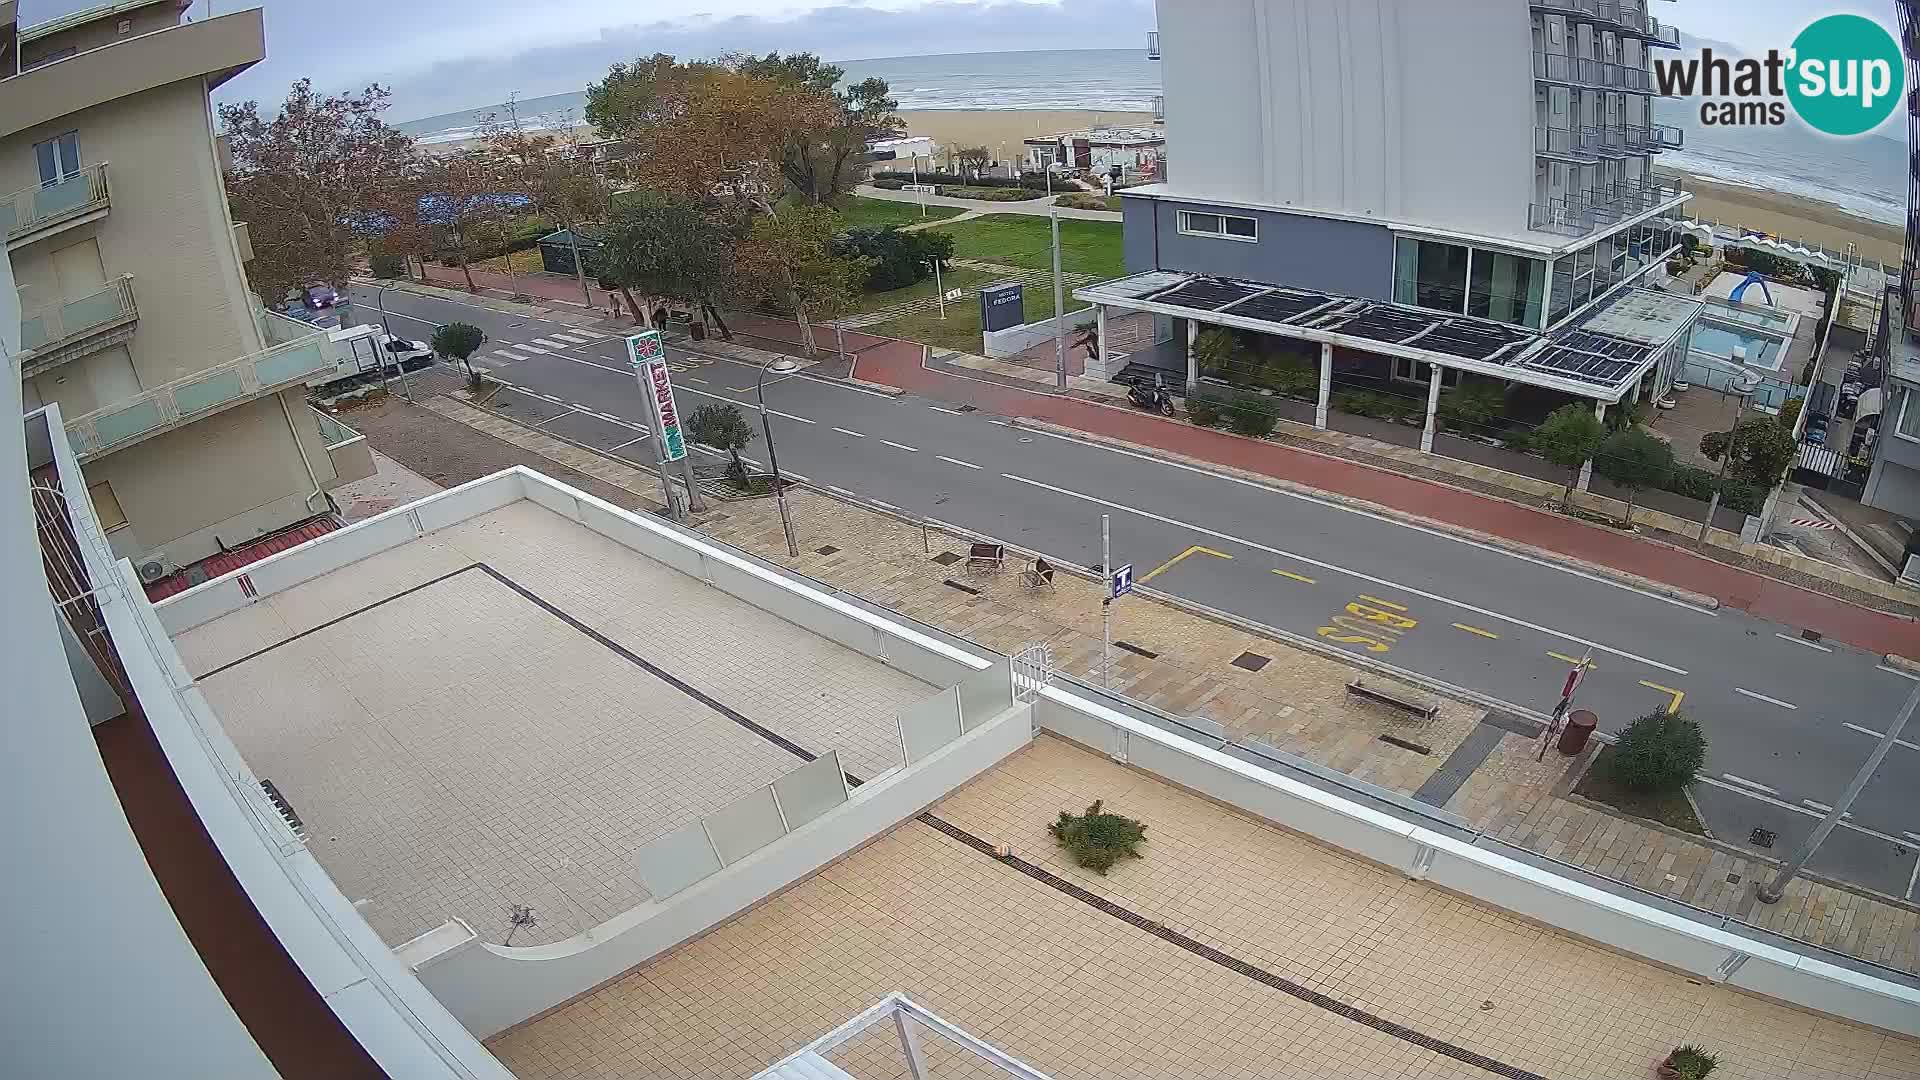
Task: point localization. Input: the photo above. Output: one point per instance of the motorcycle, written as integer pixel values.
(1153, 399)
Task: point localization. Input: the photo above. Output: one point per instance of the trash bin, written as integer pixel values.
(1580, 725)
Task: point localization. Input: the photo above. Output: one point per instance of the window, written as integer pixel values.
(1430, 274)
(1509, 288)
(1407, 370)
(58, 157)
(1226, 226)
(1910, 415)
(105, 506)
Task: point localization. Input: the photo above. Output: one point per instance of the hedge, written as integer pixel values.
(525, 235)
(927, 176)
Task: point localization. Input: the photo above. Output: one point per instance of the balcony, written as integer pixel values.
(1608, 142)
(347, 449)
(58, 333)
(197, 396)
(1153, 44)
(46, 209)
(1159, 108)
(1588, 212)
(1590, 74)
(1567, 144)
(1667, 137)
(1628, 18)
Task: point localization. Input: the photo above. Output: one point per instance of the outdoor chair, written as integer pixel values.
(986, 557)
(1040, 577)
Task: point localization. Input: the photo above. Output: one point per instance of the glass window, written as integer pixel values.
(1910, 415)
(1407, 370)
(1430, 274)
(106, 506)
(1509, 288)
(58, 157)
(1230, 226)
(1244, 227)
(1562, 289)
(1194, 222)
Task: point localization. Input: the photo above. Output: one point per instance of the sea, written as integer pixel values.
(1866, 176)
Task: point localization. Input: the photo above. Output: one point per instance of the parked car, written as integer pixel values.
(316, 297)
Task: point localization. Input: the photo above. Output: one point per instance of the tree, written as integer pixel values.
(1635, 460)
(723, 426)
(821, 164)
(975, 158)
(550, 170)
(671, 249)
(303, 179)
(1568, 438)
(1761, 450)
(1214, 351)
(458, 340)
(466, 195)
(791, 255)
(1659, 752)
(898, 258)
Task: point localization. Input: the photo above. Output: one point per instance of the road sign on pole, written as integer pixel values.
(1575, 676)
(1120, 583)
(648, 355)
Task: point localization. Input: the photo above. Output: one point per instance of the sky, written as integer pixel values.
(445, 55)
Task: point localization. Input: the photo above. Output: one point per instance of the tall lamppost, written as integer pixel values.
(778, 366)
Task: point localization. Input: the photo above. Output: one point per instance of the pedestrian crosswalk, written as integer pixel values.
(514, 352)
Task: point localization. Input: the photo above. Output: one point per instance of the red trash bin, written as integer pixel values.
(1580, 727)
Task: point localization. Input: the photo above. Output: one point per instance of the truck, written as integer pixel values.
(367, 353)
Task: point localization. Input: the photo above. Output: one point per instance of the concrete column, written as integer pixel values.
(1193, 362)
(1433, 408)
(1100, 329)
(1586, 471)
(1326, 387)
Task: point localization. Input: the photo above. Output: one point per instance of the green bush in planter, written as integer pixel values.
(1204, 409)
(1251, 417)
(1518, 440)
(1660, 752)
(1689, 1062)
(1098, 839)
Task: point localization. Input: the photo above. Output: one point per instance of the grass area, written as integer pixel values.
(526, 262)
(1672, 810)
(992, 194)
(960, 330)
(863, 212)
(952, 279)
(1086, 247)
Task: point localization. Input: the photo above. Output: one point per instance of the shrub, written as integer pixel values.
(899, 259)
(1216, 352)
(389, 266)
(458, 341)
(1690, 1062)
(1472, 406)
(890, 185)
(1690, 480)
(1660, 752)
(1097, 839)
(1568, 438)
(1288, 376)
(524, 234)
(1518, 440)
(1204, 409)
(1250, 416)
(1082, 200)
(991, 194)
(1636, 461)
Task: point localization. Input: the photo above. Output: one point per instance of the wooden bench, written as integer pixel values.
(1394, 699)
(986, 557)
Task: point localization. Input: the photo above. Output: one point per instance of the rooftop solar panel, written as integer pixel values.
(1384, 324)
(1280, 306)
(1205, 295)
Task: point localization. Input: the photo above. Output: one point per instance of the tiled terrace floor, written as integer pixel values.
(1075, 991)
(460, 749)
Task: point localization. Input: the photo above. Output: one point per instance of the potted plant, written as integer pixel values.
(1687, 1062)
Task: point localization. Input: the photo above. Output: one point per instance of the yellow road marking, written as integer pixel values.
(1171, 563)
(1382, 603)
(1296, 577)
(1476, 630)
(1564, 658)
(1678, 695)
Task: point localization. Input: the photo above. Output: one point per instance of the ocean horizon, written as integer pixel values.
(1865, 176)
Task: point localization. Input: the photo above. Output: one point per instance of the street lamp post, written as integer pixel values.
(778, 366)
(379, 352)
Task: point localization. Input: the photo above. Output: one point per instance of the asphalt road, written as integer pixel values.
(1789, 721)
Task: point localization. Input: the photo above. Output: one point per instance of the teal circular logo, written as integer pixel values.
(1847, 75)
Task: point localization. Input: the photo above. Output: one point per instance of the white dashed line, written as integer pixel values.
(845, 431)
(790, 416)
(841, 491)
(582, 408)
(1897, 671)
(610, 416)
(1765, 698)
(999, 423)
(529, 348)
(552, 344)
(901, 446)
(883, 505)
(1825, 808)
(1880, 735)
(957, 461)
(949, 412)
(643, 438)
(507, 355)
(1803, 641)
(1744, 782)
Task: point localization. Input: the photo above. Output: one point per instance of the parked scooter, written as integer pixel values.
(1154, 399)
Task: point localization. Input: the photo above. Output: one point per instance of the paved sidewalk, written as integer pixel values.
(1763, 596)
(555, 288)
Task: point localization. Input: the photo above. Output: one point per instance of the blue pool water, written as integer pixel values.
(1719, 339)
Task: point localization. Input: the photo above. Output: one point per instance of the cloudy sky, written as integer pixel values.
(444, 55)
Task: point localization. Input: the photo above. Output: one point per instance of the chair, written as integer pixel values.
(990, 557)
(1040, 577)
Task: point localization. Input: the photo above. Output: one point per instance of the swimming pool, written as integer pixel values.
(1717, 338)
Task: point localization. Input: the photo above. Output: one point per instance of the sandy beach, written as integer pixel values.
(1001, 130)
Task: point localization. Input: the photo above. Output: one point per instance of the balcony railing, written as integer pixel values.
(1608, 142)
(1562, 142)
(201, 394)
(47, 331)
(1153, 44)
(27, 212)
(1587, 212)
(1668, 137)
(1629, 17)
(1159, 106)
(1591, 74)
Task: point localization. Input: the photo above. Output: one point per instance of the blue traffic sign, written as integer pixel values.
(1121, 583)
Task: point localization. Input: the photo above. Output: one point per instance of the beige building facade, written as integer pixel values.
(188, 414)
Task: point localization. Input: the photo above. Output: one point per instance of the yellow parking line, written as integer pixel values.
(1476, 630)
(1678, 695)
(1382, 603)
(1296, 577)
(1564, 658)
(1170, 563)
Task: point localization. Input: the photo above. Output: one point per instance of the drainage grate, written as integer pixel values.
(952, 584)
(1395, 740)
(1761, 838)
(1136, 650)
(946, 558)
(281, 804)
(827, 550)
(1251, 661)
(1733, 879)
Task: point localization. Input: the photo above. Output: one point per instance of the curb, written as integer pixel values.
(1901, 663)
(1634, 581)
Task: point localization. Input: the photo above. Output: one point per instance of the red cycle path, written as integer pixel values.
(1762, 596)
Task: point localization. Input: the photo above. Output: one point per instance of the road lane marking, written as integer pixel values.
(1175, 561)
(845, 431)
(886, 505)
(790, 416)
(552, 344)
(1761, 796)
(949, 412)
(644, 436)
(1744, 782)
(740, 389)
(957, 461)
(1575, 660)
(841, 491)
(702, 382)
(1825, 808)
(1913, 878)
(1897, 671)
(1384, 519)
(1765, 698)
(508, 354)
(1677, 695)
(1804, 641)
(1476, 630)
(1296, 577)
(1881, 735)
(901, 446)
(1382, 582)
(1382, 603)
(999, 423)
(582, 408)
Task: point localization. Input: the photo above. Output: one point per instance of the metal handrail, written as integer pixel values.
(30, 208)
(50, 326)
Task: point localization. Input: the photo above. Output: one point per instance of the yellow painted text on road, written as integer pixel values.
(1382, 603)
(1175, 561)
(1372, 627)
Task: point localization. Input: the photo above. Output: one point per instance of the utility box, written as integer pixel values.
(1003, 306)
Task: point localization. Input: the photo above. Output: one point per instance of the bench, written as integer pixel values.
(1040, 577)
(986, 557)
(1395, 700)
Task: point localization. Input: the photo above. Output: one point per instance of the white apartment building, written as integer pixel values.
(184, 400)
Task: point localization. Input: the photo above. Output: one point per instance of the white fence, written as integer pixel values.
(1015, 340)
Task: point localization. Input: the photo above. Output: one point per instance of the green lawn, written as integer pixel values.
(1086, 247)
(960, 330)
(952, 279)
(863, 212)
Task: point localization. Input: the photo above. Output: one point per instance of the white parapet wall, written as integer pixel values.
(490, 988)
(1655, 934)
(1015, 340)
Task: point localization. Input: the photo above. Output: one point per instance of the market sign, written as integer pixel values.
(648, 355)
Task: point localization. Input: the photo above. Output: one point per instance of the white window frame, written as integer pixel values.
(62, 173)
(1186, 227)
(1449, 377)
